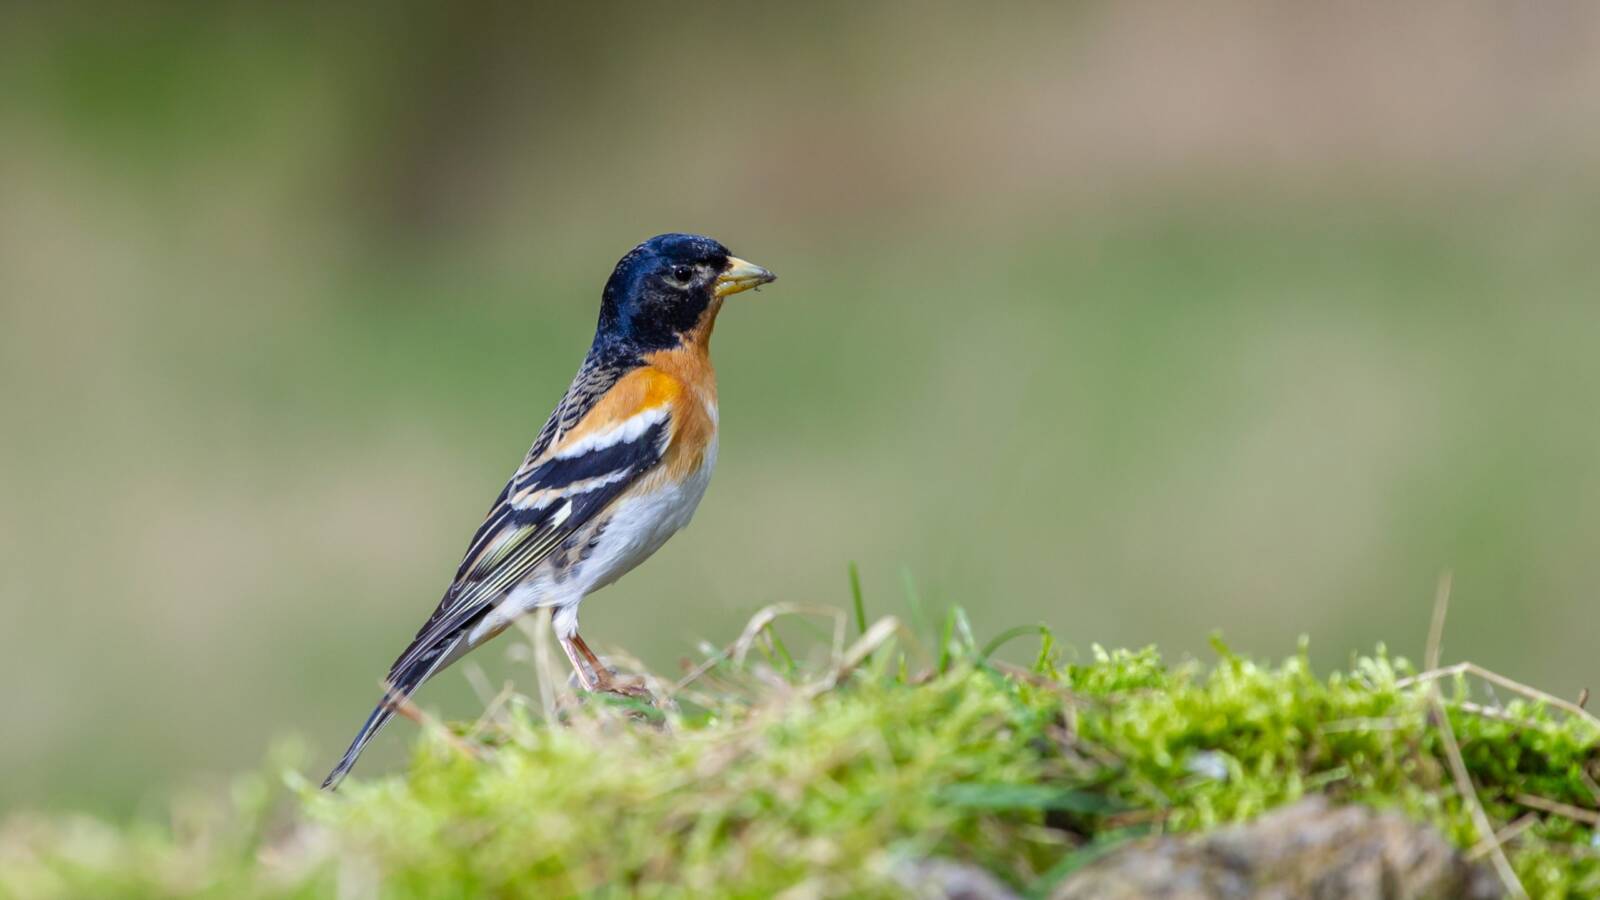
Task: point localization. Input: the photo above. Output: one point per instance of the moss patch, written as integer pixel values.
(835, 775)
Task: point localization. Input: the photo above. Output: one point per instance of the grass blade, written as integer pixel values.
(855, 598)
(1011, 634)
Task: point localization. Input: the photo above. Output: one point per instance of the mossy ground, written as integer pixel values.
(830, 777)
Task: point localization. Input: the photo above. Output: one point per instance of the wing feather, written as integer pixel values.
(516, 537)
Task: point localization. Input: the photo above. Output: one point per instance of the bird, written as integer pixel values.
(619, 467)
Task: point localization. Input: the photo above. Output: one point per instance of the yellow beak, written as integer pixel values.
(741, 276)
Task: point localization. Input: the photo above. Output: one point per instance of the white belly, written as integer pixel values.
(640, 525)
(636, 527)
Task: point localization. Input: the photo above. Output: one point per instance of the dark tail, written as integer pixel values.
(404, 679)
(375, 721)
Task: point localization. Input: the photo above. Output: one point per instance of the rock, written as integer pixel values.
(1312, 849)
(944, 879)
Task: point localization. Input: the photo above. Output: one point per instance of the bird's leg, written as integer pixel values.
(589, 683)
(603, 679)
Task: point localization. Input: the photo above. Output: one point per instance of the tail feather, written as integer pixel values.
(381, 714)
(403, 681)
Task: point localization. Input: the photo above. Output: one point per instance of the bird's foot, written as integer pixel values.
(597, 677)
(608, 682)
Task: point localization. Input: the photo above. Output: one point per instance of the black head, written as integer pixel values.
(665, 286)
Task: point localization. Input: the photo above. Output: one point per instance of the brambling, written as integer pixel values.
(618, 468)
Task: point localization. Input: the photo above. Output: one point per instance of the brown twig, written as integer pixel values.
(1494, 712)
(1576, 813)
(1589, 782)
(1452, 750)
(1469, 797)
(406, 709)
(876, 636)
(1504, 836)
(1467, 668)
(1441, 608)
(764, 618)
(758, 623)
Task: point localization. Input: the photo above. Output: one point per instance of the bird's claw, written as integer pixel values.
(607, 682)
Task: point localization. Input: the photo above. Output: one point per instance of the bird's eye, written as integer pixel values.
(682, 274)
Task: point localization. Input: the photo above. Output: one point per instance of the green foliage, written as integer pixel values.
(839, 772)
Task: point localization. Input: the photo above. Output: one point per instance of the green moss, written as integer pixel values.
(755, 782)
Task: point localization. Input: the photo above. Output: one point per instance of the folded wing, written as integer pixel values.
(569, 477)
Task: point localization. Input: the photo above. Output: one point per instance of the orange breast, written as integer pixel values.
(694, 408)
(638, 391)
(681, 379)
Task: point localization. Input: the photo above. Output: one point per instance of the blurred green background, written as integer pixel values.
(1141, 320)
